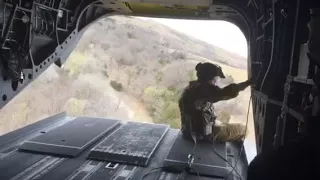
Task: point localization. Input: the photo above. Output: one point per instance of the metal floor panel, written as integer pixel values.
(15, 163)
(133, 143)
(66, 168)
(120, 172)
(71, 138)
(86, 170)
(162, 175)
(29, 129)
(105, 173)
(206, 161)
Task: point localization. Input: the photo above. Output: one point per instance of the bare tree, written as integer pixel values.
(131, 74)
(159, 77)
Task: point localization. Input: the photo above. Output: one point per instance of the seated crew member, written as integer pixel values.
(198, 118)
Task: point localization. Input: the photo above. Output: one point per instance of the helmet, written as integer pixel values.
(208, 71)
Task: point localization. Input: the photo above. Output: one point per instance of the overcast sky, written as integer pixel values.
(219, 33)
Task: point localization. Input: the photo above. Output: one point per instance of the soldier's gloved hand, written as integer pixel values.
(250, 81)
(245, 84)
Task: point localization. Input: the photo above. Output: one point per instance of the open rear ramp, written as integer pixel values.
(148, 148)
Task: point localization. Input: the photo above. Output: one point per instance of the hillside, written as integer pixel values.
(126, 68)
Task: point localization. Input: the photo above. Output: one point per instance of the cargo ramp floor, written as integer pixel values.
(86, 148)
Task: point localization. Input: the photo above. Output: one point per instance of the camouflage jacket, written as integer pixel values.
(197, 109)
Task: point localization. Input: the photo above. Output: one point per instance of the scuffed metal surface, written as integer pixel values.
(133, 142)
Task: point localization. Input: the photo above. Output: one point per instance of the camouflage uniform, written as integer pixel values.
(198, 114)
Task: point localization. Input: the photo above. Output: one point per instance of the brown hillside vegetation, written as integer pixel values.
(126, 68)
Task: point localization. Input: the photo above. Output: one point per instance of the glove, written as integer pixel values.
(244, 85)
